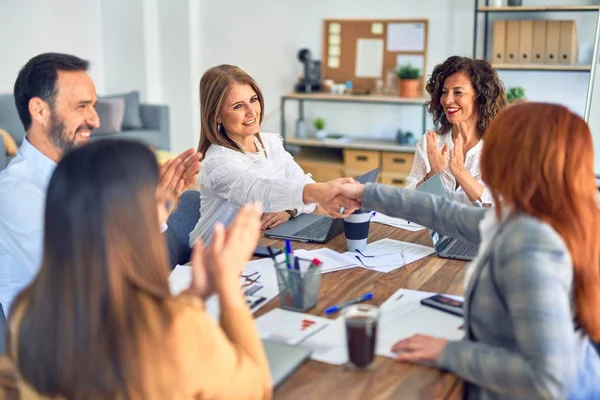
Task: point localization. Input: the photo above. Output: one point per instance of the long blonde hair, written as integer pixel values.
(214, 86)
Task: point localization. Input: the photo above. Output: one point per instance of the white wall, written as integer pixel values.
(264, 39)
(31, 27)
(123, 39)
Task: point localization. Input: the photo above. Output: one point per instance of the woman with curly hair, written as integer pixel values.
(466, 94)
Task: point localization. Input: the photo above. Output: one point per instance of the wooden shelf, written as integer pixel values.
(361, 144)
(542, 67)
(356, 98)
(536, 8)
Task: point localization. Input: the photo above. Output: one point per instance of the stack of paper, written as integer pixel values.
(387, 255)
(396, 222)
(331, 260)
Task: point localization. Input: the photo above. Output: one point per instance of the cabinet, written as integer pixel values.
(483, 12)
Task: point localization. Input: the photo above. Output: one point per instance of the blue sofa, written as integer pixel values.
(154, 132)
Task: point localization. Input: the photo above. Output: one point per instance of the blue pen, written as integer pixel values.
(288, 253)
(296, 264)
(336, 308)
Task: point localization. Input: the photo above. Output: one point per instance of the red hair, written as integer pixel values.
(538, 158)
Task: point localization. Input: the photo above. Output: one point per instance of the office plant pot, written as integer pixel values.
(409, 87)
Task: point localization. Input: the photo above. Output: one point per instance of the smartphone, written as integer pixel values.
(262, 251)
(444, 303)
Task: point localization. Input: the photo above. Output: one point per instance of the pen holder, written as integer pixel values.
(298, 288)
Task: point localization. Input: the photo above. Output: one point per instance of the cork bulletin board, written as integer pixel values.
(363, 51)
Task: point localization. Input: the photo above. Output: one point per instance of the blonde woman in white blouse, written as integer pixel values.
(242, 164)
(466, 94)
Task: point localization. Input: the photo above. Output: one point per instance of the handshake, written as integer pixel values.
(339, 197)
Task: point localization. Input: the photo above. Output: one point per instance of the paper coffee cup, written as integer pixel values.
(356, 230)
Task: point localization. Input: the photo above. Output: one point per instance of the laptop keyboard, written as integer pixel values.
(316, 230)
(458, 247)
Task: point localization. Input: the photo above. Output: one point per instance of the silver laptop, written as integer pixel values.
(284, 359)
(315, 228)
(445, 246)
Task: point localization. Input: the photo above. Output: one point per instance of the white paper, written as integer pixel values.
(387, 255)
(335, 39)
(369, 58)
(262, 270)
(289, 326)
(414, 60)
(376, 28)
(396, 222)
(402, 316)
(334, 50)
(335, 27)
(406, 36)
(331, 259)
(333, 62)
(329, 344)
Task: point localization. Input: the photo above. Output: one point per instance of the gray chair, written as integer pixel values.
(181, 222)
(2, 330)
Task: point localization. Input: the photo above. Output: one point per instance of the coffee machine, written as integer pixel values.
(311, 81)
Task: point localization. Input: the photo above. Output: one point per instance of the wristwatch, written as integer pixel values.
(292, 213)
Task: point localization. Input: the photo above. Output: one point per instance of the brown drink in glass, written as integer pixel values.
(361, 334)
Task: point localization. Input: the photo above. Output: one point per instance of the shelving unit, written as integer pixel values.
(487, 10)
(333, 158)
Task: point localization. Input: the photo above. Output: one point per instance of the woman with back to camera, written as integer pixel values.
(532, 294)
(99, 320)
(242, 164)
(466, 94)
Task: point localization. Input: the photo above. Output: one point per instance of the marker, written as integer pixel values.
(336, 308)
(296, 264)
(314, 263)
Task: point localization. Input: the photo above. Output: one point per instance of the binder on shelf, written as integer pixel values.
(538, 45)
(525, 42)
(512, 41)
(552, 41)
(568, 43)
(499, 42)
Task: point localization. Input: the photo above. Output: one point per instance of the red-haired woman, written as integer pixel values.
(532, 295)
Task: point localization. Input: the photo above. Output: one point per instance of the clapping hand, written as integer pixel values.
(457, 156)
(223, 261)
(438, 160)
(179, 173)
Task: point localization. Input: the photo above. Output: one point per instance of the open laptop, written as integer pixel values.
(312, 227)
(284, 359)
(445, 246)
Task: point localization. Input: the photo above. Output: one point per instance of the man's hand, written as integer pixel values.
(353, 191)
(328, 196)
(178, 174)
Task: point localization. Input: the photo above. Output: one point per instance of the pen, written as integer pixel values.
(296, 264)
(314, 263)
(336, 308)
(288, 253)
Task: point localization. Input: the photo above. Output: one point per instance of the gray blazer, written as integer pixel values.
(522, 340)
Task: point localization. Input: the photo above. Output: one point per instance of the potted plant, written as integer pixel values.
(515, 94)
(409, 80)
(320, 128)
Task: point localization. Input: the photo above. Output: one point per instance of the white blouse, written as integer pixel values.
(421, 167)
(229, 179)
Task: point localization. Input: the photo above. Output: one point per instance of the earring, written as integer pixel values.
(219, 127)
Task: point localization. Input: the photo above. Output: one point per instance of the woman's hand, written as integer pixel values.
(271, 220)
(201, 285)
(328, 196)
(230, 249)
(457, 157)
(438, 160)
(419, 348)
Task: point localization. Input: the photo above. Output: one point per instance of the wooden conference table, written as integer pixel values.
(388, 379)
